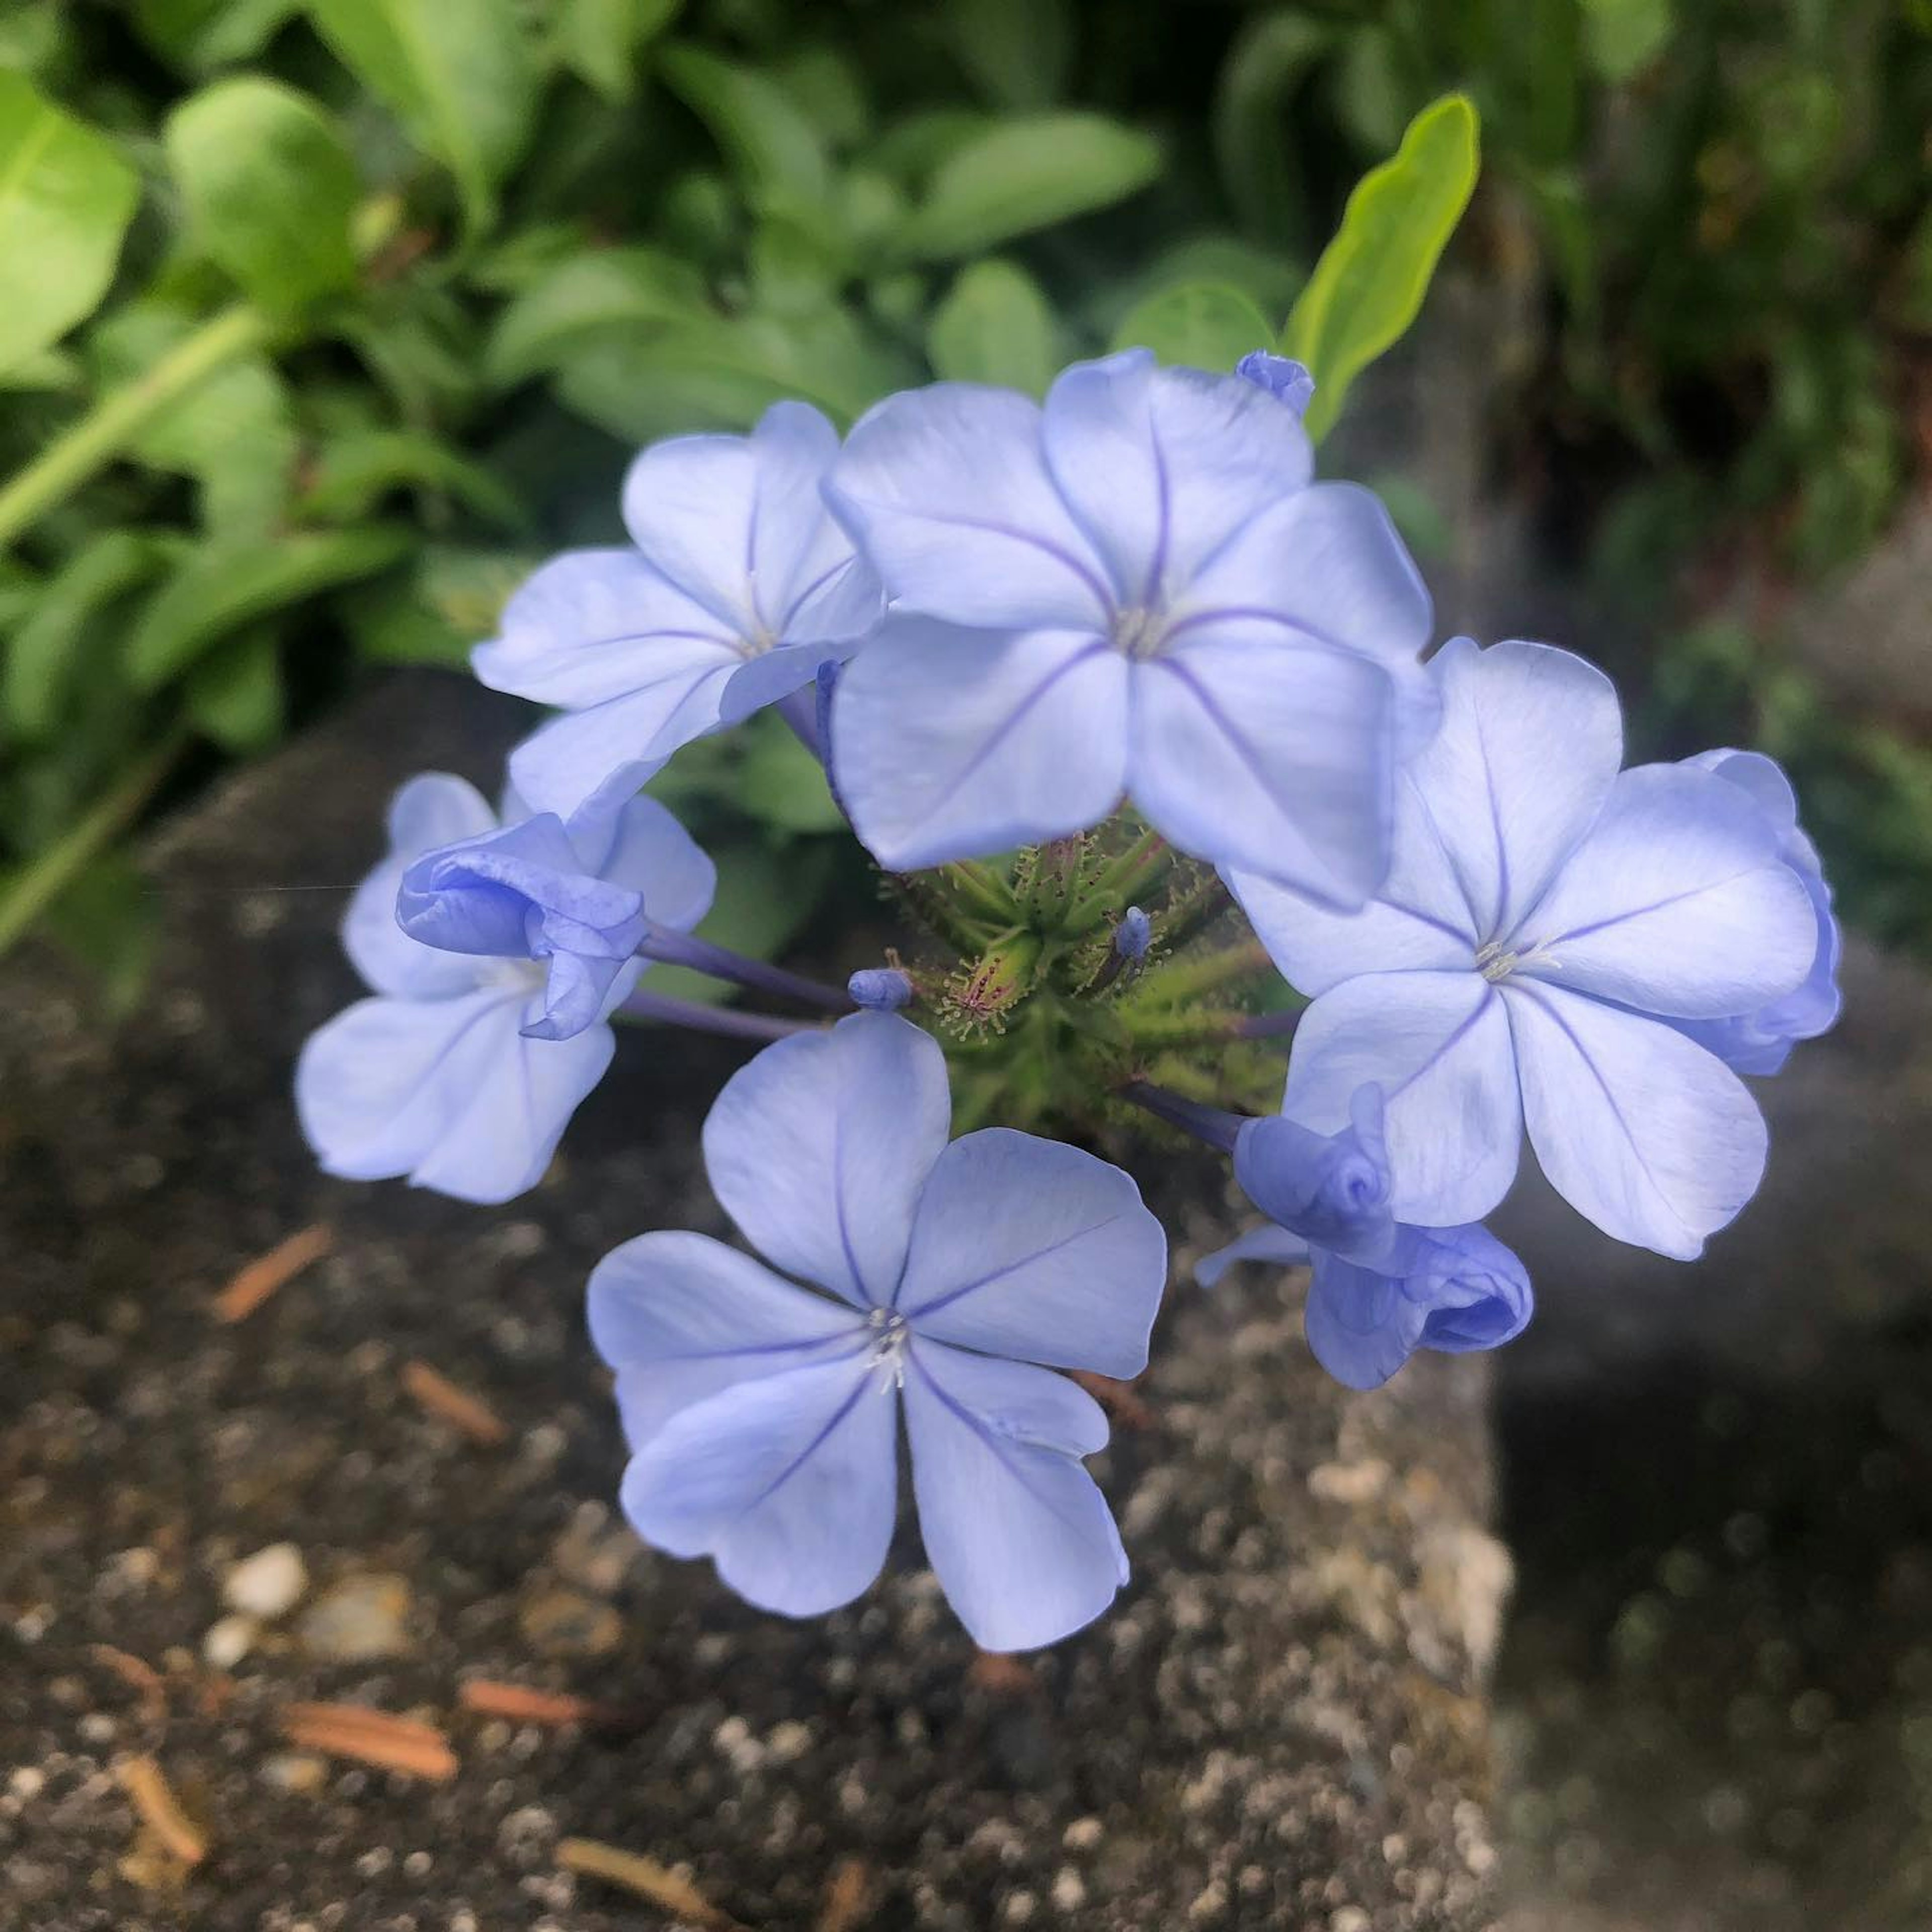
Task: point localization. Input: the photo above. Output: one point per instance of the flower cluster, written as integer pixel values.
(1134, 714)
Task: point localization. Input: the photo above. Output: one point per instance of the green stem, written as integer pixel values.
(50, 874)
(1195, 1026)
(1123, 880)
(114, 422)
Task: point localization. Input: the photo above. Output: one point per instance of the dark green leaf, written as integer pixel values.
(781, 782)
(994, 326)
(771, 143)
(199, 35)
(598, 39)
(1253, 124)
(764, 897)
(1024, 174)
(270, 190)
(107, 919)
(1624, 37)
(223, 586)
(234, 694)
(460, 75)
(1368, 286)
(41, 658)
(1203, 325)
(66, 198)
(1017, 51)
(614, 290)
(356, 470)
(437, 613)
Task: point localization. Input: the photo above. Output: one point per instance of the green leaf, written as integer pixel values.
(1017, 53)
(41, 658)
(994, 326)
(223, 586)
(235, 435)
(1202, 326)
(618, 290)
(437, 613)
(234, 694)
(66, 198)
(1026, 173)
(199, 35)
(598, 39)
(771, 143)
(1272, 55)
(460, 75)
(1368, 286)
(781, 783)
(1624, 37)
(270, 189)
(359, 468)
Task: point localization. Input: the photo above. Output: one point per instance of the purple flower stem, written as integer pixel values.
(1214, 1125)
(725, 1020)
(680, 949)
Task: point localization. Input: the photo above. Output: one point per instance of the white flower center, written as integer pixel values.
(1139, 632)
(1499, 959)
(890, 1334)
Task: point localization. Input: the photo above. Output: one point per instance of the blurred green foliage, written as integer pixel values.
(322, 320)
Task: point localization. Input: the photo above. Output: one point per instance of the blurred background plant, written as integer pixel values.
(322, 320)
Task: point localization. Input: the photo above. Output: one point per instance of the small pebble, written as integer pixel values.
(267, 1584)
(298, 1772)
(1349, 1919)
(360, 1617)
(228, 1641)
(566, 1623)
(1082, 1835)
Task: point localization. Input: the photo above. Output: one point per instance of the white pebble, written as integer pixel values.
(228, 1641)
(267, 1584)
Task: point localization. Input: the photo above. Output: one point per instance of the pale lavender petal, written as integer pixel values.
(947, 490)
(1529, 743)
(1675, 902)
(1638, 1128)
(602, 754)
(950, 743)
(690, 505)
(1162, 467)
(594, 625)
(804, 584)
(680, 1316)
(433, 810)
(1438, 1044)
(1268, 755)
(773, 674)
(447, 1092)
(646, 848)
(1324, 564)
(1267, 1243)
(819, 1147)
(789, 1482)
(1332, 1189)
(479, 896)
(1017, 1532)
(1028, 1248)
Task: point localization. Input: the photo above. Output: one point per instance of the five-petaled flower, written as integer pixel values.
(739, 587)
(1548, 924)
(763, 1417)
(464, 1069)
(1378, 1289)
(1136, 588)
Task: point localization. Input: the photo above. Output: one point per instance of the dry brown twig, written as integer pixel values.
(489, 1698)
(252, 1285)
(646, 1878)
(848, 1897)
(458, 1407)
(371, 1737)
(137, 1673)
(160, 1810)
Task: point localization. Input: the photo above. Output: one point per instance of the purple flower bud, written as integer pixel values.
(1133, 936)
(880, 989)
(1281, 376)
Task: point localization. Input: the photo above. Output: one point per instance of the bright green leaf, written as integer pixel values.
(771, 143)
(994, 326)
(598, 39)
(66, 198)
(270, 189)
(1368, 286)
(1202, 325)
(224, 586)
(460, 75)
(1624, 37)
(613, 289)
(234, 694)
(355, 471)
(41, 658)
(1026, 173)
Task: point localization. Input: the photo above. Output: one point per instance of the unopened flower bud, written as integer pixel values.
(880, 989)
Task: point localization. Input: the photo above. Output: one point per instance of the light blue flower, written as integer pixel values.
(1135, 588)
(1760, 1043)
(763, 1417)
(464, 1069)
(1378, 1289)
(739, 586)
(1547, 926)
